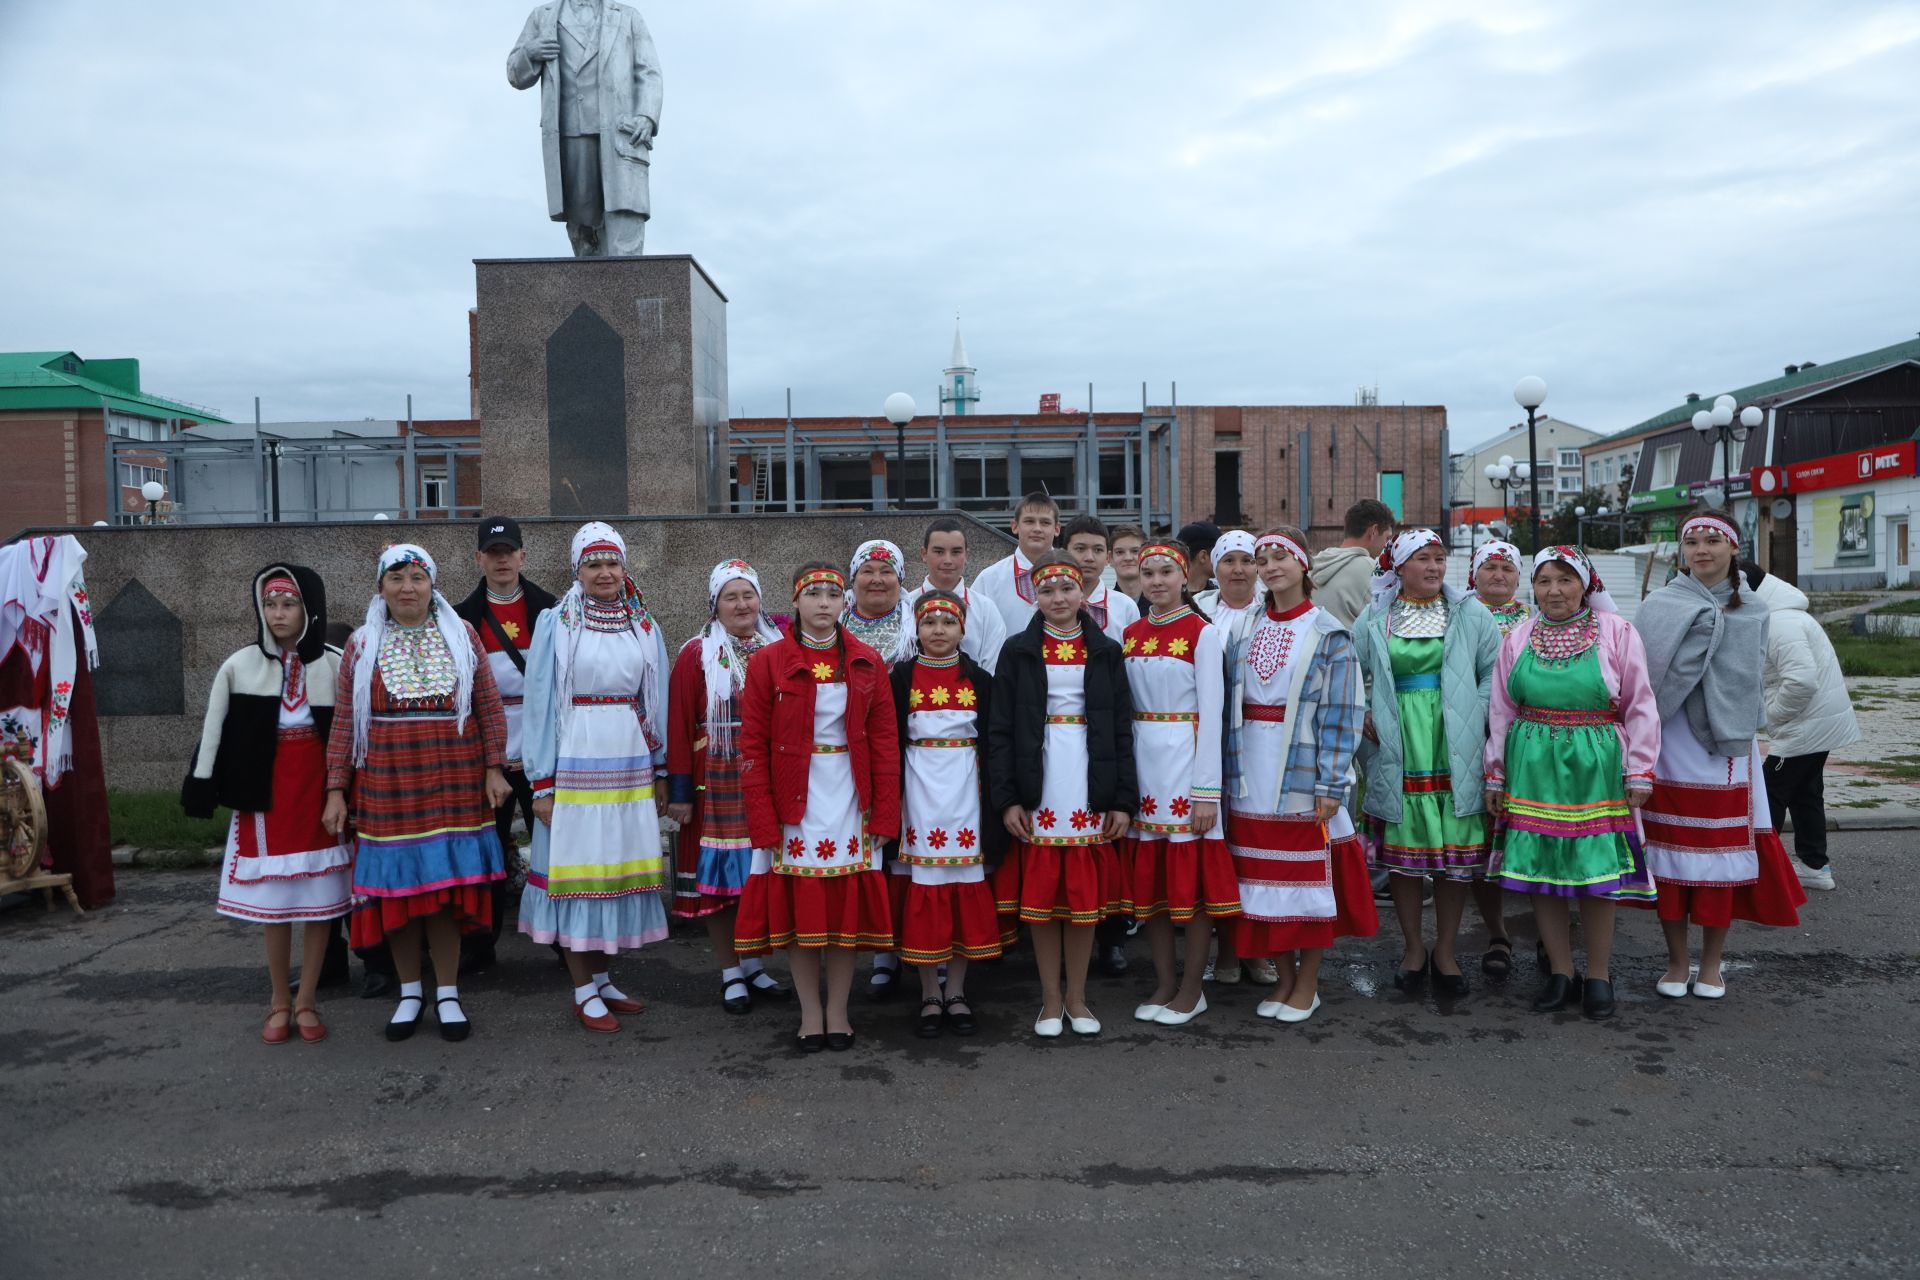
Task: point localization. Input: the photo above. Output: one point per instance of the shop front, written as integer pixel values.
(1852, 513)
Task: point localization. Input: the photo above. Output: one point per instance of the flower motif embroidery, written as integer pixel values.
(822, 672)
(1180, 807)
(1128, 646)
(966, 837)
(1148, 806)
(937, 838)
(796, 848)
(1082, 820)
(1150, 646)
(824, 849)
(1045, 819)
(966, 696)
(1064, 651)
(941, 696)
(853, 846)
(1178, 648)
(912, 836)
(913, 698)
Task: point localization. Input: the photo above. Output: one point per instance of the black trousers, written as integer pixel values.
(1798, 785)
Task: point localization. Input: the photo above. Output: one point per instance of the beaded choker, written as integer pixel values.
(1062, 633)
(951, 660)
(1180, 611)
(831, 642)
(606, 615)
(1566, 639)
(509, 598)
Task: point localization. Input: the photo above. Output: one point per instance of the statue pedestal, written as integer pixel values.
(602, 386)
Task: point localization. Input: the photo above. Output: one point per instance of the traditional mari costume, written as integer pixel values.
(596, 712)
(1112, 612)
(1209, 601)
(419, 723)
(263, 753)
(1068, 873)
(948, 907)
(1573, 724)
(1008, 584)
(1513, 612)
(1294, 715)
(985, 632)
(891, 634)
(1710, 841)
(1176, 671)
(1429, 837)
(47, 658)
(816, 878)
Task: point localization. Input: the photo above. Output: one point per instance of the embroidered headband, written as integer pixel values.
(935, 604)
(1059, 569)
(598, 541)
(279, 585)
(881, 550)
(407, 553)
(818, 576)
(1164, 551)
(1712, 522)
(730, 571)
(1282, 542)
(1234, 540)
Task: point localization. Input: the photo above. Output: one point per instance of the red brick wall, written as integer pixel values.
(54, 472)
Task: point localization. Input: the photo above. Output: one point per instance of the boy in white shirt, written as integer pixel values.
(1036, 523)
(1085, 538)
(944, 550)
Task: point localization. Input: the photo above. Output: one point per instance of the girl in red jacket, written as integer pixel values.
(821, 774)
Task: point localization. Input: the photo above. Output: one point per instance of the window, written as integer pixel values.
(1567, 483)
(1570, 458)
(134, 427)
(1666, 466)
(1593, 473)
(133, 475)
(1393, 487)
(433, 488)
(1609, 479)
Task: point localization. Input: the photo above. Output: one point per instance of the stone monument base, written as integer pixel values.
(602, 386)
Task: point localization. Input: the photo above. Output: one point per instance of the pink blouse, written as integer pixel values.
(1623, 665)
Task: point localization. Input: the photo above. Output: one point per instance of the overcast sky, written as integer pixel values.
(1263, 202)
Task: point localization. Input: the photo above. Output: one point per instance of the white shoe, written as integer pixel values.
(1227, 976)
(1048, 1027)
(1269, 1008)
(1173, 1018)
(1290, 1014)
(1147, 1012)
(1262, 971)
(1706, 992)
(1084, 1026)
(1822, 878)
(1671, 990)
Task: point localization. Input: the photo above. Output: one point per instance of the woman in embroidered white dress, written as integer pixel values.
(595, 736)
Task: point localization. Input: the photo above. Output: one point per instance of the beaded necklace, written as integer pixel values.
(952, 660)
(1417, 619)
(508, 598)
(1508, 615)
(825, 672)
(1558, 643)
(415, 662)
(1181, 610)
(1062, 633)
(882, 634)
(606, 615)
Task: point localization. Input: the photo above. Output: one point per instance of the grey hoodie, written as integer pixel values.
(1342, 578)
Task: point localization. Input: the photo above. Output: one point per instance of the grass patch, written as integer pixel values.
(152, 820)
(1906, 768)
(1874, 656)
(1861, 804)
(1901, 606)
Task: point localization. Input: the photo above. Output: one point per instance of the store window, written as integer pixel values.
(1666, 466)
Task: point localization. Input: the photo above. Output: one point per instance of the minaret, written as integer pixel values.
(959, 393)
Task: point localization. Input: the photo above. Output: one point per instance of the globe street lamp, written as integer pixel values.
(153, 491)
(1507, 475)
(1580, 514)
(899, 410)
(1720, 421)
(1530, 393)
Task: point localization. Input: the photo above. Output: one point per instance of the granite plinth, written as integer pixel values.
(602, 385)
(193, 583)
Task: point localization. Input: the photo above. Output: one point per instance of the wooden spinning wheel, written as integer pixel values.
(23, 836)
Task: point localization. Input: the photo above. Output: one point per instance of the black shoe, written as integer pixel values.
(885, 978)
(961, 1023)
(764, 986)
(839, 1041)
(397, 1031)
(813, 1043)
(931, 1024)
(730, 1002)
(1449, 984)
(1556, 995)
(1413, 979)
(455, 1031)
(375, 985)
(1596, 998)
(1498, 960)
(1113, 960)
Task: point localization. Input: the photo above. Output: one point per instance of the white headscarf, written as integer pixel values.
(1492, 550)
(721, 662)
(1233, 540)
(1576, 559)
(373, 633)
(597, 540)
(894, 631)
(1386, 583)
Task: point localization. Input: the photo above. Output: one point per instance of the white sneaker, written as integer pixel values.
(1810, 878)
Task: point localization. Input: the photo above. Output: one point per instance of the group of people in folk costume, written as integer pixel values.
(1225, 741)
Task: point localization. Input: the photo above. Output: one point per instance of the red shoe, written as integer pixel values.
(280, 1034)
(624, 1004)
(311, 1034)
(606, 1022)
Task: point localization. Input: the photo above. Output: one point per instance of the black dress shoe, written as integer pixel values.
(1113, 960)
(455, 1031)
(960, 1023)
(397, 1031)
(767, 987)
(882, 982)
(1412, 979)
(1556, 995)
(931, 1024)
(1449, 984)
(839, 1041)
(813, 1043)
(1596, 998)
(732, 1003)
(376, 985)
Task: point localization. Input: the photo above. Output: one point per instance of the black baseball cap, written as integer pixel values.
(495, 530)
(1199, 536)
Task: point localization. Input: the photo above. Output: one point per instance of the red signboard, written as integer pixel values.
(1863, 466)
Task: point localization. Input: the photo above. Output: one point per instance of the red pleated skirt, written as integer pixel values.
(371, 922)
(1775, 898)
(941, 921)
(1066, 884)
(1355, 915)
(1180, 879)
(779, 911)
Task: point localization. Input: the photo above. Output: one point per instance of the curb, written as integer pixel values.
(126, 855)
(1892, 818)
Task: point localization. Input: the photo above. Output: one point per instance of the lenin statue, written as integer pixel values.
(599, 111)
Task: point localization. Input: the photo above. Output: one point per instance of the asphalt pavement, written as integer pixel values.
(148, 1132)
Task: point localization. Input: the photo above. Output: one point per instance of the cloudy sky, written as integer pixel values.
(1261, 202)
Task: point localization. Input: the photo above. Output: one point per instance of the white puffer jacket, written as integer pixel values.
(1807, 705)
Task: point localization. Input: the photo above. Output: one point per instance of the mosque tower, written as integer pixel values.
(959, 392)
